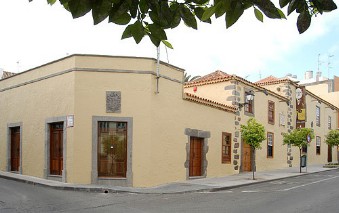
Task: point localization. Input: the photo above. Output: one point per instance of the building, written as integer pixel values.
(92, 119)
(99, 119)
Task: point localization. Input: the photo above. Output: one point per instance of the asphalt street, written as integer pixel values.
(318, 192)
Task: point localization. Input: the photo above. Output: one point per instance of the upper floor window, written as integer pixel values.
(271, 112)
(317, 143)
(270, 143)
(250, 103)
(317, 116)
(329, 122)
(226, 148)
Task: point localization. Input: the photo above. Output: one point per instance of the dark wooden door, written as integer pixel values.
(246, 157)
(329, 153)
(196, 146)
(56, 148)
(15, 149)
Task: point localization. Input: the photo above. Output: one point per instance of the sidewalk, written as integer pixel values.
(196, 185)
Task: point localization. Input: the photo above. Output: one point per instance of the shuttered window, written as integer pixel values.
(271, 112)
(226, 147)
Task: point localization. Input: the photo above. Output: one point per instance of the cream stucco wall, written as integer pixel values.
(321, 90)
(31, 104)
(215, 92)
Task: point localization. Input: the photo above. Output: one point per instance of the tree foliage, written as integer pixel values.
(188, 78)
(152, 17)
(298, 137)
(253, 133)
(332, 138)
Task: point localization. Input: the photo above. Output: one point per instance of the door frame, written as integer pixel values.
(205, 135)
(95, 179)
(49, 121)
(8, 164)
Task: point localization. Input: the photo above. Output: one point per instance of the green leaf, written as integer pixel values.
(328, 5)
(233, 15)
(123, 19)
(258, 15)
(101, 10)
(127, 32)
(283, 3)
(51, 2)
(292, 6)
(64, 1)
(119, 13)
(133, 8)
(137, 31)
(282, 15)
(188, 17)
(143, 5)
(268, 8)
(199, 11)
(167, 44)
(154, 17)
(157, 31)
(79, 8)
(304, 21)
(154, 40)
(208, 13)
(175, 20)
(202, 2)
(221, 7)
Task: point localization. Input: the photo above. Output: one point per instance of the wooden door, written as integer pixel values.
(246, 157)
(15, 149)
(196, 146)
(329, 153)
(56, 148)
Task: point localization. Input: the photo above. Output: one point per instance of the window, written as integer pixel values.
(226, 147)
(249, 106)
(317, 114)
(329, 122)
(270, 112)
(317, 143)
(112, 149)
(270, 144)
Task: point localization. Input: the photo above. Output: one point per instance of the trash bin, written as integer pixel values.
(303, 160)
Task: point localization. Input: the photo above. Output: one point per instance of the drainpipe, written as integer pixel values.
(158, 68)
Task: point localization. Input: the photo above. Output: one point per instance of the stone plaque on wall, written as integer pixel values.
(113, 101)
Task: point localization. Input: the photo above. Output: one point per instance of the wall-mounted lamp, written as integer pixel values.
(249, 97)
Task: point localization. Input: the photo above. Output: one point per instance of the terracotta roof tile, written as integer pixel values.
(267, 79)
(274, 80)
(207, 102)
(210, 77)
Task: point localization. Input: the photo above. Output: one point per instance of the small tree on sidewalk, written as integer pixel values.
(253, 134)
(300, 138)
(332, 138)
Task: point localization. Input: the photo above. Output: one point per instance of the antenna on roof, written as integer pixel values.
(18, 65)
(319, 62)
(328, 65)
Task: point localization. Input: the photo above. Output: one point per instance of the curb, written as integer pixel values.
(147, 191)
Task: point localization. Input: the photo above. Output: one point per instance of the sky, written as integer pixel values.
(32, 34)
